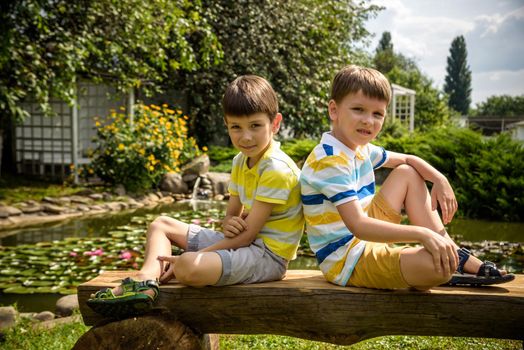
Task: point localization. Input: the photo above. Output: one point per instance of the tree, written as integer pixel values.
(501, 106)
(297, 45)
(458, 79)
(132, 43)
(430, 107)
(384, 59)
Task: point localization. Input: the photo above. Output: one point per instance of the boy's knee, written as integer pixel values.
(407, 171)
(163, 223)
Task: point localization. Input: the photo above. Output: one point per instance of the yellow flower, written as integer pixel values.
(142, 151)
(170, 111)
(164, 105)
(151, 168)
(97, 124)
(204, 149)
(121, 147)
(122, 108)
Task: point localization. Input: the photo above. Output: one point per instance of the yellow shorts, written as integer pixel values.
(379, 264)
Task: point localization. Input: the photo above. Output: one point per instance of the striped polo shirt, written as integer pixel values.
(274, 179)
(333, 175)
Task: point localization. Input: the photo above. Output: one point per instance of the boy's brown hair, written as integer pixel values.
(249, 94)
(352, 79)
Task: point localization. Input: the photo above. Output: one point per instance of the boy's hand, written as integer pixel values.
(234, 226)
(444, 195)
(443, 250)
(167, 264)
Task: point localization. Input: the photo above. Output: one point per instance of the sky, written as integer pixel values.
(494, 31)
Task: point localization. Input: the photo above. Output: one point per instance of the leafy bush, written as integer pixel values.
(137, 153)
(298, 150)
(486, 173)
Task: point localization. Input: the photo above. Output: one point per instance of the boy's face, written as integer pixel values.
(252, 134)
(357, 119)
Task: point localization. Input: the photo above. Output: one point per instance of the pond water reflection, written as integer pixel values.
(51, 259)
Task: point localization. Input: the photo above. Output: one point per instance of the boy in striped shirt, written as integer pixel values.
(263, 223)
(350, 227)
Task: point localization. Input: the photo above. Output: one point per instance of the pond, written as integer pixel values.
(40, 264)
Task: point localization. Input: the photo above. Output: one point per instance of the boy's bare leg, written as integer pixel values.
(162, 232)
(197, 269)
(405, 188)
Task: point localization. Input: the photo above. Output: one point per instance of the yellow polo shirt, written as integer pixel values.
(274, 179)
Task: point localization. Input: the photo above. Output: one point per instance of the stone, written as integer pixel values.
(190, 179)
(66, 304)
(85, 192)
(120, 190)
(8, 317)
(166, 200)
(152, 197)
(53, 209)
(198, 166)
(219, 197)
(44, 316)
(31, 209)
(219, 181)
(96, 207)
(173, 183)
(96, 196)
(55, 201)
(83, 208)
(80, 200)
(113, 206)
(7, 210)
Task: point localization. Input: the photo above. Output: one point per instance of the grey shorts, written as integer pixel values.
(252, 264)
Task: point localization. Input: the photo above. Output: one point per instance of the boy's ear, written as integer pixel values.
(275, 125)
(332, 109)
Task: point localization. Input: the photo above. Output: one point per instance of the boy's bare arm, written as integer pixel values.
(441, 192)
(441, 248)
(233, 223)
(256, 219)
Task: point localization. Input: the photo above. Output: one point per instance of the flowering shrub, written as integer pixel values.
(137, 153)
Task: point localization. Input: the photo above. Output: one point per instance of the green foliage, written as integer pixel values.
(458, 79)
(501, 106)
(137, 153)
(487, 174)
(384, 59)
(221, 158)
(297, 45)
(47, 44)
(299, 150)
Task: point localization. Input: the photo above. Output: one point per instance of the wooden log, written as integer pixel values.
(304, 305)
(159, 331)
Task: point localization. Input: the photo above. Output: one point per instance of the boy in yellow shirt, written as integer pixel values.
(263, 223)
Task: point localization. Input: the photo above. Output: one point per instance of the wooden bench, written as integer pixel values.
(304, 305)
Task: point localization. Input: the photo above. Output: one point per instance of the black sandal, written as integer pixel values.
(487, 274)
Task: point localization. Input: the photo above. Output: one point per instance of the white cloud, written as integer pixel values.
(424, 29)
(504, 82)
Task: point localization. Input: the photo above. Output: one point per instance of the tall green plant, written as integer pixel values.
(297, 45)
(458, 78)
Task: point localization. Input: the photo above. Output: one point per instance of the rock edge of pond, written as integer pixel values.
(50, 209)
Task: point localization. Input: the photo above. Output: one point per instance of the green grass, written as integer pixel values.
(14, 189)
(23, 336)
(268, 342)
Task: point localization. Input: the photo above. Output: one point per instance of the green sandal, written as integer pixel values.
(132, 302)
